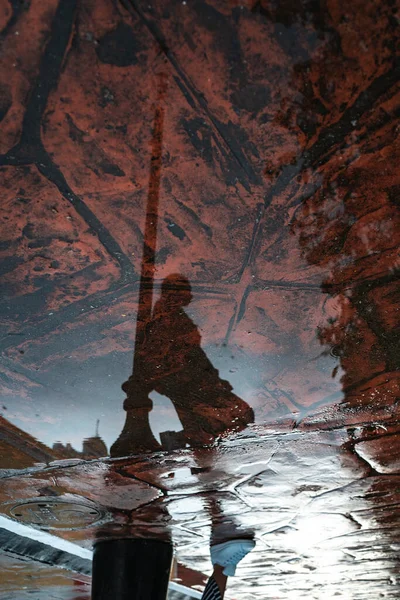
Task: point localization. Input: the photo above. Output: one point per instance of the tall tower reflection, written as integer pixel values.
(167, 354)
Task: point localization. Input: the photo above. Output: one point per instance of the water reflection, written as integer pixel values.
(155, 527)
(318, 510)
(318, 505)
(344, 231)
(171, 362)
(92, 447)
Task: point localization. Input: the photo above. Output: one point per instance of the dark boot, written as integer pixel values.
(131, 569)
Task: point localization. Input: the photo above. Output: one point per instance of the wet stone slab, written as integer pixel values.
(316, 510)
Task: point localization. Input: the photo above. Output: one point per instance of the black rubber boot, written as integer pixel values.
(131, 569)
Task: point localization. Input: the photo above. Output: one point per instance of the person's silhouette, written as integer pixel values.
(172, 363)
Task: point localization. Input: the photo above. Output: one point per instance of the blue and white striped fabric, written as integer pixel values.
(211, 591)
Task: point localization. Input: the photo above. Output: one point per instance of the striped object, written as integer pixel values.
(211, 591)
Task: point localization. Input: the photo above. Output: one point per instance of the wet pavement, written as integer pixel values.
(201, 205)
(24, 579)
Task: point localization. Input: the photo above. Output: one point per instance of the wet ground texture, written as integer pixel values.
(200, 203)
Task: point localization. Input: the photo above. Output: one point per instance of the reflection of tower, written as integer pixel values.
(137, 435)
(94, 447)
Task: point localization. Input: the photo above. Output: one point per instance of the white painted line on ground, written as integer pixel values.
(45, 538)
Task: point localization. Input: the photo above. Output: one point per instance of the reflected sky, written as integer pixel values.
(100, 397)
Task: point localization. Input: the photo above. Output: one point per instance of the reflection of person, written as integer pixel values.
(170, 361)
